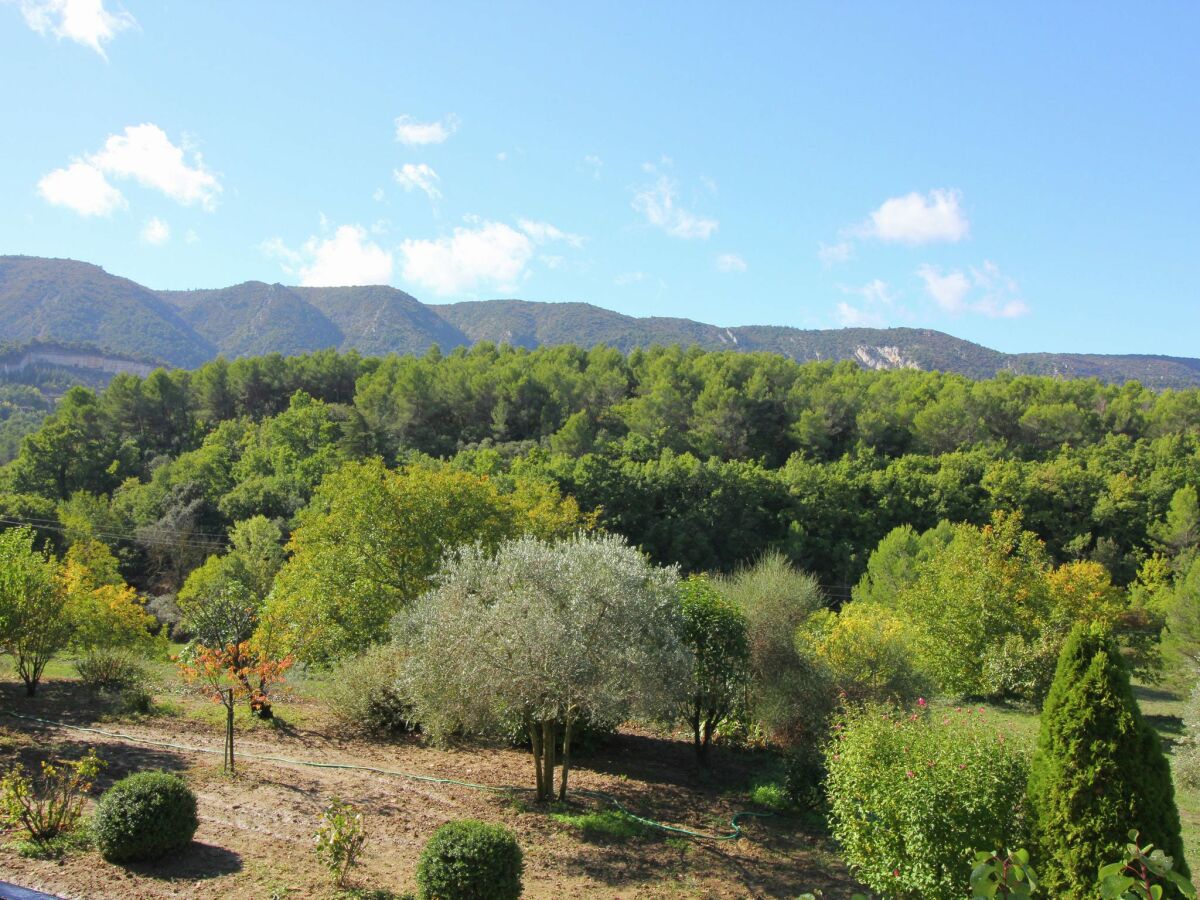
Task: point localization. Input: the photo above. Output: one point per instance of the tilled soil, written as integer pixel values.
(256, 829)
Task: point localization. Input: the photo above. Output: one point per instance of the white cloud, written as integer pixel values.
(347, 258)
(156, 231)
(948, 291)
(730, 262)
(877, 303)
(417, 134)
(491, 254)
(544, 232)
(857, 317)
(83, 188)
(86, 22)
(659, 203)
(378, 195)
(832, 254)
(918, 219)
(984, 290)
(627, 278)
(419, 177)
(594, 164)
(146, 154)
(502, 156)
(191, 237)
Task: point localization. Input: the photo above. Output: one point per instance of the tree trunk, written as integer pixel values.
(535, 747)
(548, 760)
(30, 686)
(694, 721)
(703, 745)
(566, 760)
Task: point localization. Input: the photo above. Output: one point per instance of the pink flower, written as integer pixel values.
(922, 702)
(895, 873)
(910, 773)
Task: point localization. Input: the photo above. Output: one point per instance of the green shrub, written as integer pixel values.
(804, 777)
(340, 837)
(910, 794)
(144, 817)
(49, 807)
(105, 670)
(471, 860)
(1098, 771)
(366, 693)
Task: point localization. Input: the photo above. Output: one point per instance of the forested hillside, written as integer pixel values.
(705, 459)
(69, 301)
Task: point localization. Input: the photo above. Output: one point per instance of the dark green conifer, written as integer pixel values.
(1098, 771)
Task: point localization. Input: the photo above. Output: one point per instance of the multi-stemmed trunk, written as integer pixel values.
(543, 744)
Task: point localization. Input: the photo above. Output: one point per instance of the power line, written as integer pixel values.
(46, 525)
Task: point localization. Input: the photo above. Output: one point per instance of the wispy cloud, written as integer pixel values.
(85, 22)
(833, 254)
(659, 205)
(983, 290)
(418, 134)
(156, 231)
(418, 177)
(876, 303)
(730, 262)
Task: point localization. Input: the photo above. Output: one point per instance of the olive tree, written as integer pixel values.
(544, 635)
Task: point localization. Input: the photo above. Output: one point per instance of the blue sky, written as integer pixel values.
(1022, 175)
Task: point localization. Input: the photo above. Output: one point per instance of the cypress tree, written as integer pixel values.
(1098, 771)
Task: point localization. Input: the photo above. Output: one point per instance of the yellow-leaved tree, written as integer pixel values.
(372, 538)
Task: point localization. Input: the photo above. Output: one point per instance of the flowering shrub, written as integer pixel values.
(49, 806)
(908, 791)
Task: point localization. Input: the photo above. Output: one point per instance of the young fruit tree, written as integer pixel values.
(714, 629)
(544, 636)
(35, 620)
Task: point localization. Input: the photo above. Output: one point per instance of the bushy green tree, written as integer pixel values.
(1098, 771)
(35, 620)
(714, 629)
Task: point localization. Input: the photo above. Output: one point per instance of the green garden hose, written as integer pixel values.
(734, 833)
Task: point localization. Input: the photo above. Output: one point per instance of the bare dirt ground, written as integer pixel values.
(255, 838)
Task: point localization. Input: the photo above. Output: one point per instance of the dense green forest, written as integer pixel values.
(705, 459)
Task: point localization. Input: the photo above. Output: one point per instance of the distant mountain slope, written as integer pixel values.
(379, 319)
(253, 318)
(74, 302)
(69, 302)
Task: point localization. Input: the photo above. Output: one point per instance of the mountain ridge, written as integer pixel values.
(78, 303)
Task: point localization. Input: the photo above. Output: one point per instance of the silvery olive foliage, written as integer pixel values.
(547, 634)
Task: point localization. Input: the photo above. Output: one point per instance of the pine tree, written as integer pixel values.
(1098, 771)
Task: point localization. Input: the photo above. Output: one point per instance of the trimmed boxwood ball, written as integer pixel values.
(144, 817)
(471, 860)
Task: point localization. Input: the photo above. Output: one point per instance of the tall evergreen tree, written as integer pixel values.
(1098, 771)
